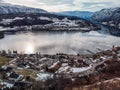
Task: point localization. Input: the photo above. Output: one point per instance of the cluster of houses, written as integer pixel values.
(12, 80)
(50, 66)
(111, 24)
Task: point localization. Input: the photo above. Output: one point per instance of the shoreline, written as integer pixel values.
(98, 53)
(50, 28)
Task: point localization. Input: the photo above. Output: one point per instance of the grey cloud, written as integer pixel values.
(67, 5)
(56, 2)
(95, 6)
(89, 4)
(1, 1)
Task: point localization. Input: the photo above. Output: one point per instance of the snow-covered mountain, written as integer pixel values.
(109, 17)
(45, 21)
(81, 14)
(109, 14)
(15, 16)
(6, 8)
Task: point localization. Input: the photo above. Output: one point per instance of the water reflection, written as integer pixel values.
(29, 48)
(51, 43)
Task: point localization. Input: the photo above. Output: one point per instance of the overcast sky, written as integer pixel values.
(67, 5)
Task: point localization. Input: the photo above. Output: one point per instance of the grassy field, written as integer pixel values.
(3, 61)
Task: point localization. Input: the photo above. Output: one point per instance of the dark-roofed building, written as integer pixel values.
(22, 85)
(15, 77)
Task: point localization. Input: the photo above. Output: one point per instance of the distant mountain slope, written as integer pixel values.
(82, 14)
(109, 17)
(109, 14)
(6, 8)
(45, 21)
(16, 17)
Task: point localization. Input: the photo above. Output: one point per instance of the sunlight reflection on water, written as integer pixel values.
(51, 43)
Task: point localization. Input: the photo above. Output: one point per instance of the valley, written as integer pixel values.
(65, 50)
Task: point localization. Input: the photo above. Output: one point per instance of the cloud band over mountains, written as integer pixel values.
(67, 5)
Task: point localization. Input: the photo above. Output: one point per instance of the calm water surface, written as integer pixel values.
(51, 43)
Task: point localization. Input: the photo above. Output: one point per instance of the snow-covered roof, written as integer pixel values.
(44, 76)
(8, 85)
(54, 64)
(68, 69)
(79, 70)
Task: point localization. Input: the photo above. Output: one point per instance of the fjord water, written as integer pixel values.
(64, 42)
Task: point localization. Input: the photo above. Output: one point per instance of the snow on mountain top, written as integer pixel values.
(107, 14)
(6, 8)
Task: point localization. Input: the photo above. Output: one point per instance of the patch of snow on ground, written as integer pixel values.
(79, 70)
(44, 76)
(44, 18)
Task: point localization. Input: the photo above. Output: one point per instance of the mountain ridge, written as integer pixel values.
(109, 17)
(6, 8)
(107, 14)
(81, 14)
